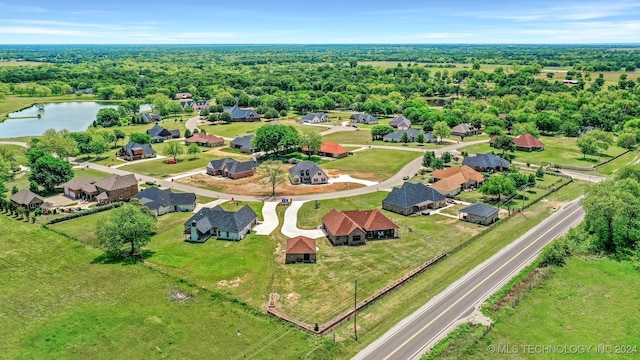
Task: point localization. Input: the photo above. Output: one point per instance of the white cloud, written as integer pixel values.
(576, 12)
(21, 8)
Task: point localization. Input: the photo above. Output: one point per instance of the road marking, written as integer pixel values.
(478, 285)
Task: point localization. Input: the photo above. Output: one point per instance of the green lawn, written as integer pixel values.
(380, 162)
(611, 167)
(586, 302)
(351, 137)
(557, 150)
(232, 130)
(159, 168)
(236, 205)
(60, 304)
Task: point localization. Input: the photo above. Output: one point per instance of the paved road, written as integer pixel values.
(414, 335)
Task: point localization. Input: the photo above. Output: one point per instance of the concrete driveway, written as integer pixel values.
(290, 225)
(269, 219)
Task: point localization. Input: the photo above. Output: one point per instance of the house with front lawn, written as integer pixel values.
(244, 144)
(486, 163)
(307, 172)
(206, 140)
(300, 249)
(356, 227)
(238, 114)
(396, 136)
(452, 180)
(413, 198)
(115, 188)
(400, 122)
(200, 105)
(160, 134)
(528, 142)
(27, 199)
(479, 214)
(464, 130)
(231, 168)
(224, 225)
(134, 151)
(363, 119)
(161, 202)
(330, 149)
(315, 118)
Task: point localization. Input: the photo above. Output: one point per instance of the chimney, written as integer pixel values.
(194, 231)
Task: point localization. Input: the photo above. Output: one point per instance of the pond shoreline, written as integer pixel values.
(4, 117)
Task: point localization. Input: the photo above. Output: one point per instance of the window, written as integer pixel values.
(357, 238)
(120, 197)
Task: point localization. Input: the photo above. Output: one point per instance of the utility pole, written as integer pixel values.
(355, 308)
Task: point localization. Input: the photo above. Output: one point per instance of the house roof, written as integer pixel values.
(150, 117)
(84, 184)
(232, 166)
(301, 245)
(183, 95)
(154, 198)
(25, 197)
(332, 148)
(502, 116)
(397, 135)
(305, 166)
(311, 117)
(205, 139)
(410, 194)
(238, 113)
(115, 181)
(479, 209)
(399, 120)
(449, 183)
(243, 141)
(146, 148)
(158, 130)
(466, 171)
(463, 128)
(340, 223)
(217, 217)
(363, 118)
(527, 141)
(486, 161)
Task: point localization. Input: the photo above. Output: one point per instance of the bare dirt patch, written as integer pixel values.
(179, 296)
(230, 283)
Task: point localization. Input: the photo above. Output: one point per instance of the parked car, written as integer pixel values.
(406, 177)
(170, 162)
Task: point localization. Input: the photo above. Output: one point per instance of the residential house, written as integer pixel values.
(165, 201)
(307, 172)
(116, 188)
(397, 135)
(570, 82)
(502, 116)
(464, 130)
(300, 249)
(363, 119)
(202, 139)
(238, 114)
(355, 227)
(451, 181)
(429, 138)
(27, 199)
(148, 118)
(244, 144)
(82, 188)
(200, 105)
(85, 91)
(224, 225)
(479, 214)
(330, 149)
(160, 134)
(528, 142)
(486, 163)
(183, 95)
(412, 198)
(231, 168)
(134, 151)
(315, 118)
(400, 122)
(185, 103)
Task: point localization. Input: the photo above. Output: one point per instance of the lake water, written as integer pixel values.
(73, 116)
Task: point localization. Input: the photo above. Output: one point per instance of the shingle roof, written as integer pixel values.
(205, 139)
(410, 194)
(527, 141)
(243, 142)
(466, 171)
(301, 245)
(154, 198)
(341, 223)
(480, 210)
(115, 181)
(306, 166)
(332, 148)
(364, 118)
(217, 217)
(449, 183)
(238, 113)
(158, 130)
(463, 128)
(146, 148)
(397, 135)
(232, 166)
(25, 196)
(314, 116)
(486, 161)
(398, 120)
(84, 184)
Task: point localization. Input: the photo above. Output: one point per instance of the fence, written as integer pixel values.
(83, 213)
(588, 168)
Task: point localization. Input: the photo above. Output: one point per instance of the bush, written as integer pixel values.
(554, 254)
(540, 172)
(83, 213)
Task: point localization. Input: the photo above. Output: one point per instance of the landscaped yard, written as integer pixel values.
(373, 164)
(159, 167)
(557, 150)
(233, 130)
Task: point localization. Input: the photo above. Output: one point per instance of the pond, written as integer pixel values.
(73, 116)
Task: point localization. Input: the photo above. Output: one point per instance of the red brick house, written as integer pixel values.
(116, 188)
(355, 227)
(203, 139)
(300, 249)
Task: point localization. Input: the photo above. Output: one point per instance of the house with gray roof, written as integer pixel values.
(400, 122)
(244, 144)
(238, 114)
(134, 151)
(165, 201)
(486, 162)
(411, 198)
(27, 199)
(231, 168)
(148, 118)
(224, 225)
(82, 188)
(464, 130)
(160, 134)
(307, 172)
(479, 214)
(396, 136)
(315, 118)
(363, 119)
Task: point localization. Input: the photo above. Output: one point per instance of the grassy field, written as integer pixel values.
(611, 167)
(381, 163)
(66, 305)
(586, 302)
(232, 130)
(159, 168)
(557, 150)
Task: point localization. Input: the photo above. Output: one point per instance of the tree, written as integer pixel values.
(427, 159)
(427, 126)
(174, 149)
(193, 149)
(58, 142)
(130, 225)
(494, 130)
(405, 137)
(379, 131)
(187, 133)
(140, 138)
(524, 128)
(540, 172)
(504, 143)
(49, 172)
(532, 180)
(420, 138)
(627, 140)
(33, 187)
(519, 179)
(274, 138)
(446, 157)
(107, 117)
(224, 116)
(498, 185)
(312, 141)
(587, 145)
(118, 134)
(272, 174)
(441, 129)
(98, 145)
(437, 164)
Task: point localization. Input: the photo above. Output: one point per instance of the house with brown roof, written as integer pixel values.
(300, 249)
(451, 181)
(202, 139)
(231, 168)
(330, 149)
(528, 142)
(400, 122)
(83, 188)
(134, 151)
(355, 227)
(183, 95)
(116, 188)
(27, 199)
(464, 130)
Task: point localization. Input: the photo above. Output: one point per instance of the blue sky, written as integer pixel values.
(318, 22)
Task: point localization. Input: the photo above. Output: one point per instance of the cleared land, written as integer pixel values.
(373, 164)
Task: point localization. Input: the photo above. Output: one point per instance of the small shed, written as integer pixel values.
(300, 249)
(479, 214)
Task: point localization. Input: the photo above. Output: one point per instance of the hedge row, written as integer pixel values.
(83, 213)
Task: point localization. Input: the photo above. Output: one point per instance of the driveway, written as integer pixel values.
(348, 179)
(290, 225)
(269, 218)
